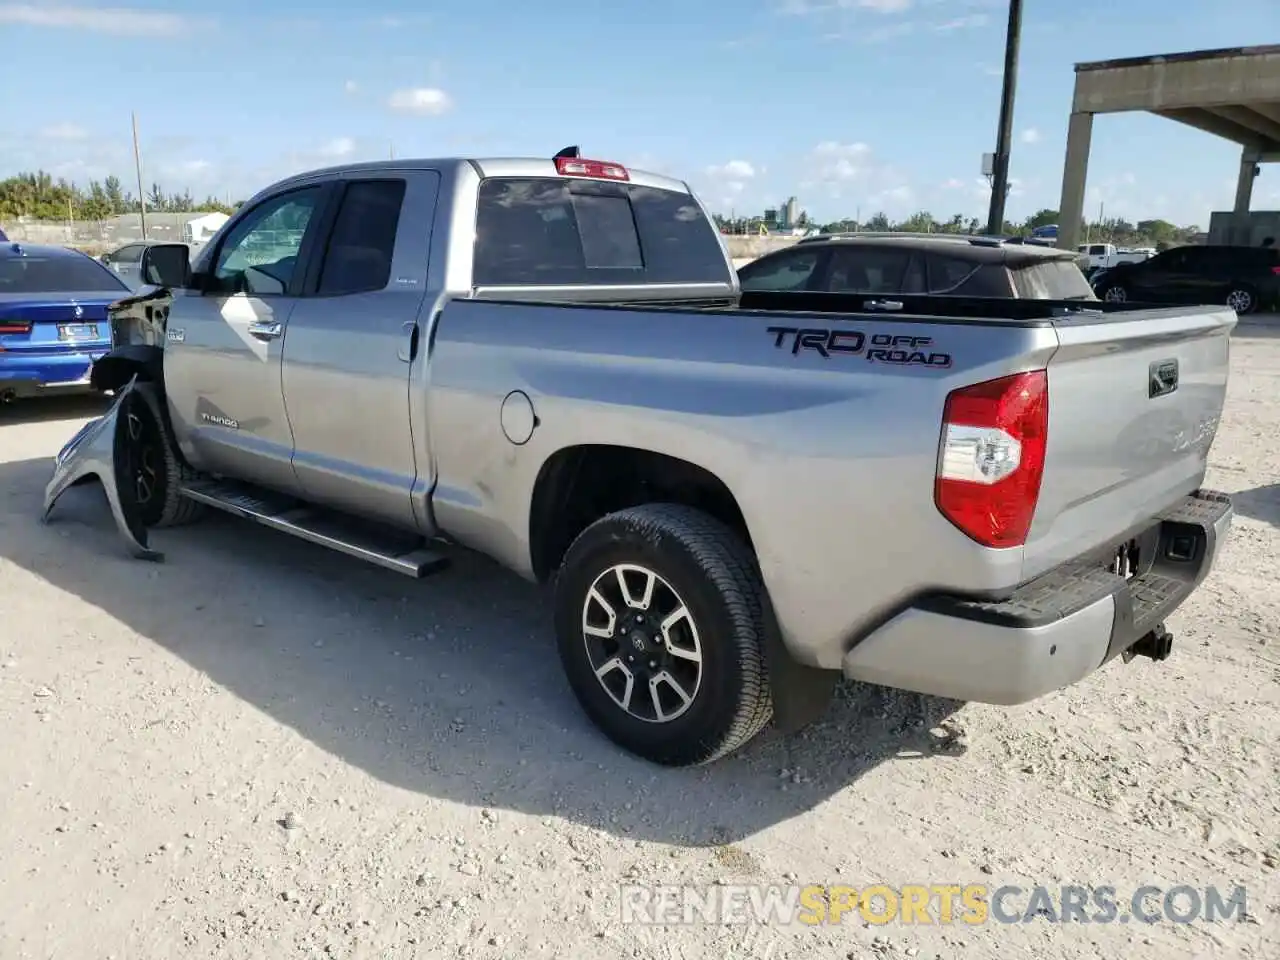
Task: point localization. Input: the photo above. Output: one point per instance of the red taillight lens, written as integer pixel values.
(1276, 271)
(574, 167)
(993, 448)
(14, 326)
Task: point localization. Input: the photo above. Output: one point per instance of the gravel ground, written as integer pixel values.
(259, 749)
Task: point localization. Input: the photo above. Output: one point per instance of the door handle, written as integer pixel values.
(408, 348)
(266, 329)
(882, 305)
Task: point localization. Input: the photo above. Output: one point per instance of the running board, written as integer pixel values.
(393, 550)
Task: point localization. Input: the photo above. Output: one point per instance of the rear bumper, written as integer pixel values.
(26, 375)
(1053, 631)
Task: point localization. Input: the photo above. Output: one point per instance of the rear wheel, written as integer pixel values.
(1115, 293)
(1242, 299)
(152, 468)
(660, 629)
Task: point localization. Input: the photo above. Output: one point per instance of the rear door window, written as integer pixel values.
(1051, 280)
(561, 232)
(791, 270)
(357, 258)
(867, 269)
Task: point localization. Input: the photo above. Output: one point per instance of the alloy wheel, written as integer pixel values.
(642, 642)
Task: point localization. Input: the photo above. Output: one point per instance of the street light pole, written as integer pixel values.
(1000, 172)
(137, 166)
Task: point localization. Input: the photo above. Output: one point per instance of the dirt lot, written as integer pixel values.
(259, 749)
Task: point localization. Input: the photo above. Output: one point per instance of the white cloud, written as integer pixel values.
(879, 6)
(339, 147)
(804, 8)
(1031, 135)
(962, 23)
(351, 86)
(837, 162)
(64, 131)
(425, 101)
(182, 172)
(117, 21)
(726, 183)
(736, 170)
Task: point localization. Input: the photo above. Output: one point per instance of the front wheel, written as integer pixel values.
(1115, 293)
(661, 631)
(151, 465)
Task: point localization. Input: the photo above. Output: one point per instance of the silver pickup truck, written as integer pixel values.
(736, 497)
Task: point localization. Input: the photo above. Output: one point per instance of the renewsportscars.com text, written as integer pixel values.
(928, 904)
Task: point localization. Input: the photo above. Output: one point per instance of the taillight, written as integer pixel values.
(993, 448)
(575, 167)
(14, 326)
(1276, 271)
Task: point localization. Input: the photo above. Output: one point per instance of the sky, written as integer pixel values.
(852, 106)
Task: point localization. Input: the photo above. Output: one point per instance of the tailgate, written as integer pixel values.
(1134, 404)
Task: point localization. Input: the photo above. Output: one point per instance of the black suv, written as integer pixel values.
(920, 263)
(1243, 278)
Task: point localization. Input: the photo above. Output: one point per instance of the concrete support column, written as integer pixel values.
(1244, 185)
(1075, 171)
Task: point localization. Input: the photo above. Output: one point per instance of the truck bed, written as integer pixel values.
(792, 399)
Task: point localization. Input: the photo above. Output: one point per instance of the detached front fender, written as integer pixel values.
(98, 450)
(122, 364)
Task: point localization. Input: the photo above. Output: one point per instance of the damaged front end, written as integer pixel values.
(102, 449)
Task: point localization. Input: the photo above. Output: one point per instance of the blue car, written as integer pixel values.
(53, 318)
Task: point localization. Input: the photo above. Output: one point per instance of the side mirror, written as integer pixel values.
(166, 265)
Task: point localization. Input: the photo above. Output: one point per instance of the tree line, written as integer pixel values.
(38, 196)
(1160, 234)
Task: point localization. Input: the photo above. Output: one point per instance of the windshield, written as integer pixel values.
(1052, 280)
(56, 275)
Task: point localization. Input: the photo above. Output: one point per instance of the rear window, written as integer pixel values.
(559, 232)
(56, 275)
(1051, 280)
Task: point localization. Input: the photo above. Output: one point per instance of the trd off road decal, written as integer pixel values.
(898, 349)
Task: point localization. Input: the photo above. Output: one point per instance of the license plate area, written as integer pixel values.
(77, 331)
(1125, 559)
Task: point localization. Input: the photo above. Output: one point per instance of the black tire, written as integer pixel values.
(1241, 292)
(154, 465)
(715, 575)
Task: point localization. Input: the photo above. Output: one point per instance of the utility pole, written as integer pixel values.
(1000, 172)
(137, 165)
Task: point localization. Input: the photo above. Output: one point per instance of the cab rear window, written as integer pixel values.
(561, 232)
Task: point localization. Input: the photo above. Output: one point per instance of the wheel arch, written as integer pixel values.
(579, 484)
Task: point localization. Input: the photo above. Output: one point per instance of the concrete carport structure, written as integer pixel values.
(1232, 93)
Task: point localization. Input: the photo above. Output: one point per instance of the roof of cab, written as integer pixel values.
(484, 166)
